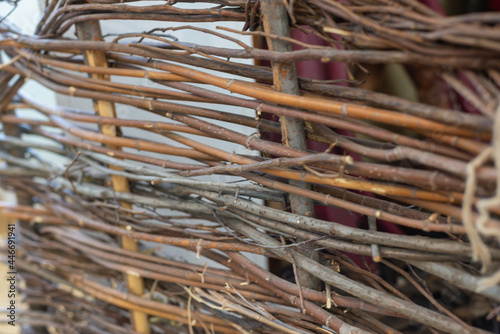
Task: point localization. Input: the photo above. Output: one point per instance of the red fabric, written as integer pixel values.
(495, 5)
(312, 68)
(434, 4)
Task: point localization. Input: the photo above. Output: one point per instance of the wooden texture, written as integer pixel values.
(91, 31)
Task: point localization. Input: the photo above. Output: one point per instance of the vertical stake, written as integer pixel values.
(91, 30)
(275, 21)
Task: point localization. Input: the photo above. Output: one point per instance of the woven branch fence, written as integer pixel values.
(420, 178)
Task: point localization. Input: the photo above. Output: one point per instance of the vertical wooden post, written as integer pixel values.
(275, 20)
(91, 31)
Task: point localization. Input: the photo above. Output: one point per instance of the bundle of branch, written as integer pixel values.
(92, 226)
